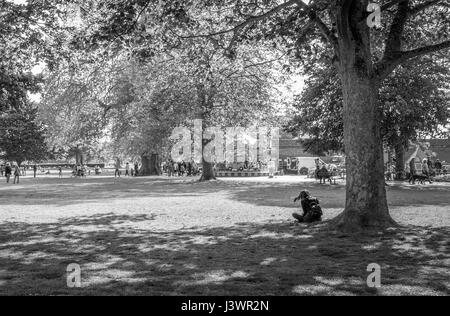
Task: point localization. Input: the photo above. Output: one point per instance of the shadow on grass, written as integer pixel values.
(68, 191)
(64, 192)
(282, 195)
(116, 257)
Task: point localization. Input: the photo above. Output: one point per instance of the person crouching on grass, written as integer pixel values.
(312, 212)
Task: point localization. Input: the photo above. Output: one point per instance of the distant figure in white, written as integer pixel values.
(272, 168)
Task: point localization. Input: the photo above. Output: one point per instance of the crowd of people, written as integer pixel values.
(429, 170)
(81, 171)
(9, 170)
(181, 169)
(130, 171)
(13, 171)
(327, 172)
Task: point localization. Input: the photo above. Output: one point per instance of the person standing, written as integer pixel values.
(60, 171)
(170, 168)
(271, 167)
(136, 169)
(84, 171)
(426, 170)
(430, 167)
(16, 174)
(182, 168)
(195, 168)
(117, 172)
(35, 170)
(317, 172)
(8, 172)
(127, 170)
(412, 169)
(175, 169)
(189, 168)
(430, 164)
(438, 166)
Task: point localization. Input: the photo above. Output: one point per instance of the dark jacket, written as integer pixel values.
(8, 170)
(308, 204)
(412, 167)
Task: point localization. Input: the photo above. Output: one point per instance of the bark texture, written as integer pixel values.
(208, 168)
(151, 165)
(400, 161)
(366, 203)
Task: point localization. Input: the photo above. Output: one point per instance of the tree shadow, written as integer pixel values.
(117, 257)
(334, 196)
(282, 195)
(63, 192)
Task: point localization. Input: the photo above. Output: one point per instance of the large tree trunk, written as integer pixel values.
(80, 156)
(366, 203)
(206, 103)
(150, 165)
(400, 161)
(208, 168)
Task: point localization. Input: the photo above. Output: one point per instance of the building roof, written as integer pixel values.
(292, 148)
(441, 147)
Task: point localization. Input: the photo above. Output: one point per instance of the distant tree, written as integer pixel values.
(317, 115)
(22, 137)
(140, 125)
(171, 91)
(193, 75)
(30, 33)
(73, 105)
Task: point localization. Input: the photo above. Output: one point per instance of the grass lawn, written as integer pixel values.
(159, 236)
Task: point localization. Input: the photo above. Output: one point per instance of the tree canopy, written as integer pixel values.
(134, 88)
(22, 136)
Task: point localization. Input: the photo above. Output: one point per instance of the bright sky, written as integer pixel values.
(36, 70)
(19, 1)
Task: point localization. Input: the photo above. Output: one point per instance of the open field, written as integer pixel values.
(159, 236)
